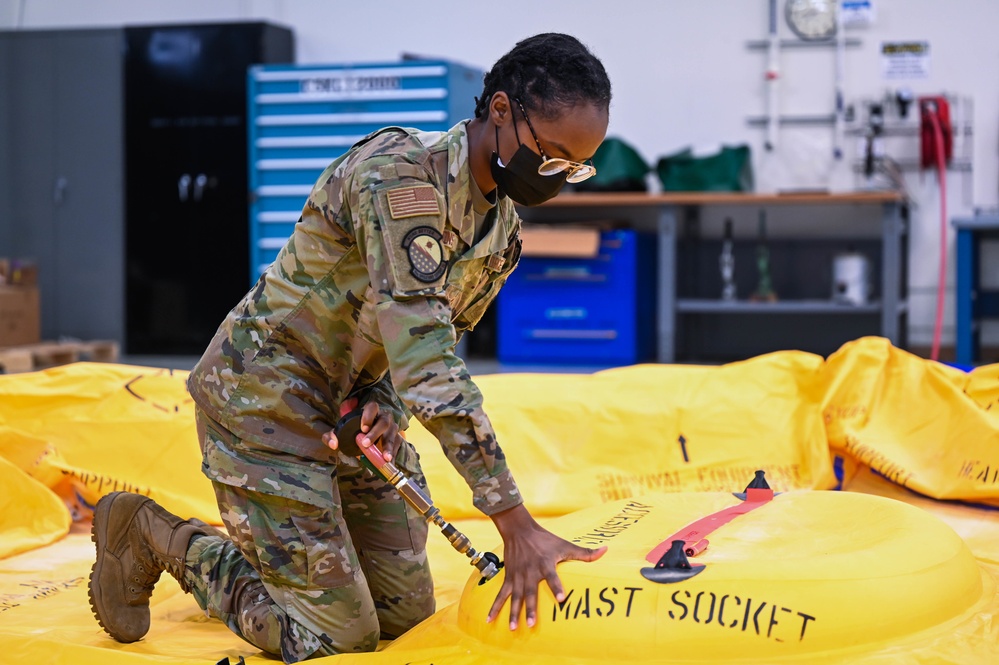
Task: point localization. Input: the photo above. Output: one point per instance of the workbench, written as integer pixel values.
(973, 302)
(663, 213)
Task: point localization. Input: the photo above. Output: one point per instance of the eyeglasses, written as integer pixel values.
(553, 165)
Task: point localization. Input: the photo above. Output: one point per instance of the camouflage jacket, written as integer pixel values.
(368, 297)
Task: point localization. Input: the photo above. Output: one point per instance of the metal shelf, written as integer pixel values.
(903, 130)
(782, 120)
(957, 164)
(677, 316)
(762, 44)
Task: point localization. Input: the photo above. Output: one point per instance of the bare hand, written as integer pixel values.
(531, 553)
(376, 428)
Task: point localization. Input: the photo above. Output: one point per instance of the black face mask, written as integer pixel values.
(520, 179)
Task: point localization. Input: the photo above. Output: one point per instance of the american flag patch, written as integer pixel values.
(413, 202)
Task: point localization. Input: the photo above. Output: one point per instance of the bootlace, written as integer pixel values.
(175, 568)
(143, 579)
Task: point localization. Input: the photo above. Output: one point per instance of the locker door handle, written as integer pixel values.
(183, 187)
(199, 186)
(59, 191)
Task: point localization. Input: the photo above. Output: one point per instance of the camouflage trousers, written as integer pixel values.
(301, 581)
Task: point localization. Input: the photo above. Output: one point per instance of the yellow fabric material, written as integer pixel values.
(30, 515)
(818, 576)
(573, 441)
(73, 433)
(923, 425)
(87, 429)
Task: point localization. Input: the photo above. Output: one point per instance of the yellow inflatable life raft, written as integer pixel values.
(801, 575)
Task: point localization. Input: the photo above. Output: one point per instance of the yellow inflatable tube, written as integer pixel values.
(806, 576)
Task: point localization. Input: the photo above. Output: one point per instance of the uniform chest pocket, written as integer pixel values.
(453, 293)
(474, 283)
(476, 302)
(465, 279)
(473, 313)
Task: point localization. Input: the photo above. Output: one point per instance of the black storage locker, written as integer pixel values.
(186, 185)
(98, 129)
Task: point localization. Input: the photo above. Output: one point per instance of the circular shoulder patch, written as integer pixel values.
(426, 259)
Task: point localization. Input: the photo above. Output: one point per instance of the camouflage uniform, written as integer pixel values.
(387, 266)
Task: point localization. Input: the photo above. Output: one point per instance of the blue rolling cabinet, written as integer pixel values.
(301, 118)
(596, 311)
(973, 302)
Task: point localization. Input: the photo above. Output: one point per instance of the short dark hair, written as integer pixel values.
(547, 72)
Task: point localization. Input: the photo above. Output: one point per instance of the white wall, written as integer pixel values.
(682, 76)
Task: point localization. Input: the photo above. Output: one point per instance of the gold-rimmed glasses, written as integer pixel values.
(577, 172)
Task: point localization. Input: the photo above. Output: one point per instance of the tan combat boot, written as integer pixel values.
(136, 541)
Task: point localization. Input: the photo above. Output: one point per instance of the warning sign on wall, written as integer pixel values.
(905, 60)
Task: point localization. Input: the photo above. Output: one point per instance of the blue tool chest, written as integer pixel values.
(301, 118)
(585, 311)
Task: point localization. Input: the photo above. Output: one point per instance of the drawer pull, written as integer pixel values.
(566, 276)
(542, 333)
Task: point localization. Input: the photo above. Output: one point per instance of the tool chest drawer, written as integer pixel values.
(592, 311)
(302, 117)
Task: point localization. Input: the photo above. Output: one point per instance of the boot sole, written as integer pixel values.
(101, 510)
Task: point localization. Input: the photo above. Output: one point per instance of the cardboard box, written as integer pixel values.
(20, 315)
(20, 311)
(562, 241)
(18, 272)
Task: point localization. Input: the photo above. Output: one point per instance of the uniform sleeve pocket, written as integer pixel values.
(411, 223)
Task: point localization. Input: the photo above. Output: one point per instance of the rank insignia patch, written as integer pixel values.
(426, 260)
(496, 263)
(418, 201)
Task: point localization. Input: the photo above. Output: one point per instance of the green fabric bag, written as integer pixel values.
(729, 170)
(619, 169)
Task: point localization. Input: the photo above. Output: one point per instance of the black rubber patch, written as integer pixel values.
(670, 575)
(346, 430)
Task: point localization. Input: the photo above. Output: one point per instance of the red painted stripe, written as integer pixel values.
(699, 530)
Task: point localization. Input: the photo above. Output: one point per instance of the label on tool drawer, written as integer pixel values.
(565, 313)
(349, 83)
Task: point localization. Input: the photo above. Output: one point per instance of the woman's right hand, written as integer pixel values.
(376, 427)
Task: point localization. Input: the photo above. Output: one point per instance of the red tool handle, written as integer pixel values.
(374, 456)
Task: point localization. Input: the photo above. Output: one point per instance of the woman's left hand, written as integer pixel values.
(530, 554)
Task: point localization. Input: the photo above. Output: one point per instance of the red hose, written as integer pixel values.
(942, 177)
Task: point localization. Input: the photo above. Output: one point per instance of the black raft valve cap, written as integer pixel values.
(672, 566)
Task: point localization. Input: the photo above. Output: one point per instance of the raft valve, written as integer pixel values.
(672, 566)
(759, 482)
